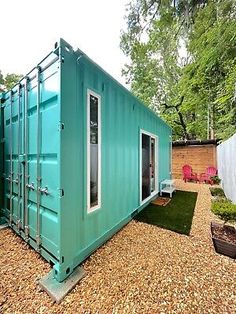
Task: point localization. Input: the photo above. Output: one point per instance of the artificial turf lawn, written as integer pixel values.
(176, 216)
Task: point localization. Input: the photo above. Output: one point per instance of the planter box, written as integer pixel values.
(221, 246)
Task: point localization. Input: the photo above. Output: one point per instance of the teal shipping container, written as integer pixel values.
(81, 155)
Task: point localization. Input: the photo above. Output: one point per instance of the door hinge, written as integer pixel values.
(61, 126)
(61, 192)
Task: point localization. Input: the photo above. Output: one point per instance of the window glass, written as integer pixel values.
(94, 150)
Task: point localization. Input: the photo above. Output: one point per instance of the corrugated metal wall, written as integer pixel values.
(54, 118)
(32, 143)
(123, 116)
(2, 218)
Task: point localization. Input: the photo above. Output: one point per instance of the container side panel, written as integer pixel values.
(122, 119)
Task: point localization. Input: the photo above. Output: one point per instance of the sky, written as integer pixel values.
(29, 29)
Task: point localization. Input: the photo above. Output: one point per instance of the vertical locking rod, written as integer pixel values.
(26, 140)
(11, 166)
(38, 240)
(18, 218)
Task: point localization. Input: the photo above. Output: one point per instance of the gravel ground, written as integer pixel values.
(142, 269)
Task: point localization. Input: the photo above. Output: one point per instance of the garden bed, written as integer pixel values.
(217, 192)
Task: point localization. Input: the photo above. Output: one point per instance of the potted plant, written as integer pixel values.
(224, 236)
(215, 179)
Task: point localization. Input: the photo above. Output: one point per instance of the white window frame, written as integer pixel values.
(89, 208)
(156, 191)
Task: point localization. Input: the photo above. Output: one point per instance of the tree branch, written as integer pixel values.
(180, 115)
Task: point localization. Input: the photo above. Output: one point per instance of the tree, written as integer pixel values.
(9, 80)
(211, 77)
(1, 81)
(1, 77)
(163, 41)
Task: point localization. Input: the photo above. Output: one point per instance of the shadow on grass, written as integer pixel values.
(176, 216)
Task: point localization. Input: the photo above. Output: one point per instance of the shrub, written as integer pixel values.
(225, 210)
(217, 192)
(216, 179)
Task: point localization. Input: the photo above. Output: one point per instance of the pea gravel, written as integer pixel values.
(142, 269)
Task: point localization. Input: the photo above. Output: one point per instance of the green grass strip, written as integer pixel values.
(176, 216)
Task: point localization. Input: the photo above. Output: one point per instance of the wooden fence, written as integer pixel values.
(198, 154)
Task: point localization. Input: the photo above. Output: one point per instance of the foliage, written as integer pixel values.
(183, 63)
(225, 210)
(215, 179)
(1, 77)
(9, 80)
(217, 192)
(210, 77)
(1, 82)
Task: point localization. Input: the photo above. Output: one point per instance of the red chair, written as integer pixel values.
(188, 174)
(211, 171)
(206, 176)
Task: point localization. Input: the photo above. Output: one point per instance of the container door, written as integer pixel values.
(32, 152)
(148, 165)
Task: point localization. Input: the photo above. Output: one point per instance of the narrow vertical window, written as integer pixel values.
(94, 151)
(153, 164)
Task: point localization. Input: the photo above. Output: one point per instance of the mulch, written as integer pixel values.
(142, 269)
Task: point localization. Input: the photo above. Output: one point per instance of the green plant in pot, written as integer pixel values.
(224, 236)
(215, 179)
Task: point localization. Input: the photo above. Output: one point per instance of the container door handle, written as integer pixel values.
(30, 186)
(8, 178)
(16, 181)
(43, 190)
